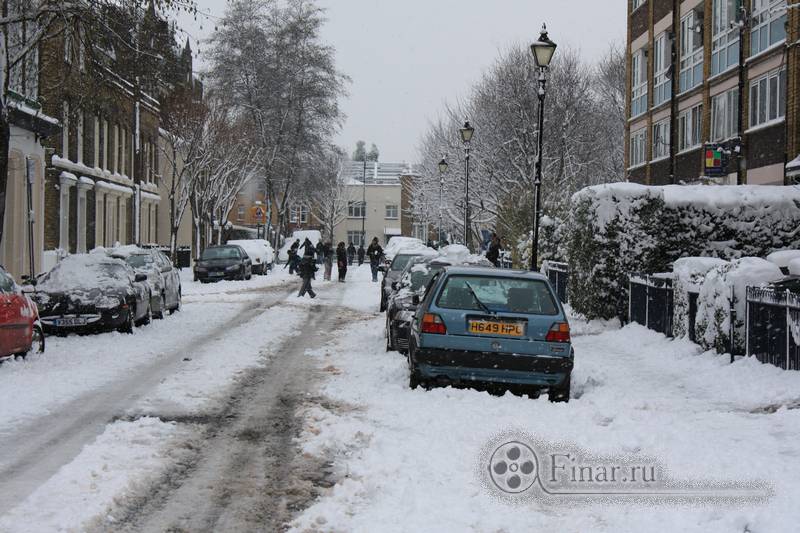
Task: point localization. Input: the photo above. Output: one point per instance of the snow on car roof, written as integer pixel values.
(494, 272)
(83, 271)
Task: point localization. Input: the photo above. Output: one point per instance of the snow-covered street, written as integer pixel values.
(251, 409)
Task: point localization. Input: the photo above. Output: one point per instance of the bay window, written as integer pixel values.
(725, 35)
(691, 73)
(638, 84)
(767, 25)
(662, 60)
(768, 98)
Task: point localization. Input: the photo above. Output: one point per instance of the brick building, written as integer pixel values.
(715, 78)
(101, 183)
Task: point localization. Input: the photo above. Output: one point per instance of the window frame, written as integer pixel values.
(638, 81)
(690, 58)
(392, 208)
(727, 103)
(355, 206)
(690, 119)
(638, 147)
(660, 130)
(724, 36)
(765, 16)
(662, 61)
(779, 77)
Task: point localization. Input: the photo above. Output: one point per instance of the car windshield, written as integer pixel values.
(78, 272)
(420, 275)
(221, 252)
(401, 261)
(139, 260)
(497, 294)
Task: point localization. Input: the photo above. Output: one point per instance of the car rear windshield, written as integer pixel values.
(400, 262)
(138, 261)
(421, 274)
(497, 294)
(224, 252)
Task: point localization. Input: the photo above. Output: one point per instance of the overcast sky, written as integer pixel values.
(407, 57)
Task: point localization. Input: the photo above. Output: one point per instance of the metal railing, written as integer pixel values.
(773, 327)
(558, 274)
(651, 302)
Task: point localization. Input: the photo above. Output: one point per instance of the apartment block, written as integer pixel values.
(713, 92)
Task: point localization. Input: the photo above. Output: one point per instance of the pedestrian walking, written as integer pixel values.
(493, 254)
(307, 269)
(375, 253)
(351, 254)
(320, 249)
(361, 253)
(341, 261)
(327, 252)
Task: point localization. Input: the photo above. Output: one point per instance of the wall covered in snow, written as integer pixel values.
(620, 228)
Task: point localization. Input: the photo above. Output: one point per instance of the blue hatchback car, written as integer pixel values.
(480, 325)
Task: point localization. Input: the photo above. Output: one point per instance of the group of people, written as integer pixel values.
(304, 258)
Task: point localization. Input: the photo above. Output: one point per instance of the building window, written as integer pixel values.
(114, 143)
(691, 36)
(637, 4)
(724, 115)
(661, 139)
(240, 212)
(690, 124)
(638, 84)
(638, 141)
(768, 24)
(662, 60)
(391, 211)
(356, 209)
(768, 98)
(298, 214)
(355, 238)
(725, 35)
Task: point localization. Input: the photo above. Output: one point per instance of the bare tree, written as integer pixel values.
(330, 194)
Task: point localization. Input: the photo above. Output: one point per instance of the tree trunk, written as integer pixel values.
(5, 139)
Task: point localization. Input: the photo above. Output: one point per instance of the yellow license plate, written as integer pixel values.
(494, 327)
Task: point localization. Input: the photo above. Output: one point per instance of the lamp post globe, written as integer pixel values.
(543, 49)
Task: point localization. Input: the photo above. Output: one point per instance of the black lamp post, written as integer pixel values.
(542, 51)
(442, 170)
(466, 136)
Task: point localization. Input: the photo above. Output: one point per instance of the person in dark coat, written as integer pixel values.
(493, 254)
(320, 249)
(327, 254)
(351, 254)
(375, 253)
(341, 261)
(307, 269)
(361, 253)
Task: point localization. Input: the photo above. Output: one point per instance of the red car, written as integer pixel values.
(20, 330)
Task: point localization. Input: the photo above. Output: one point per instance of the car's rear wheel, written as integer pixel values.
(148, 315)
(127, 326)
(177, 305)
(414, 377)
(560, 393)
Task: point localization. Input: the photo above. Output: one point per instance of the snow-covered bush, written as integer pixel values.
(688, 275)
(725, 288)
(782, 258)
(621, 228)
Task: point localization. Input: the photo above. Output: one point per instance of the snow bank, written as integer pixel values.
(794, 267)
(725, 287)
(458, 254)
(783, 257)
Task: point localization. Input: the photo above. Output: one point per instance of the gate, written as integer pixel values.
(773, 327)
(650, 302)
(558, 274)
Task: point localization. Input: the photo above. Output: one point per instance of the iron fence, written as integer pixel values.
(651, 302)
(773, 327)
(558, 274)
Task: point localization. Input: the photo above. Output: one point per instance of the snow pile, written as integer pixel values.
(725, 287)
(782, 258)
(620, 228)
(688, 275)
(80, 274)
(458, 254)
(793, 266)
(403, 244)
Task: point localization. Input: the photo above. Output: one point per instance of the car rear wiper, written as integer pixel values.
(478, 300)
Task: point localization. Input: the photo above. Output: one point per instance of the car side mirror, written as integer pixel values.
(140, 277)
(415, 299)
(27, 280)
(166, 269)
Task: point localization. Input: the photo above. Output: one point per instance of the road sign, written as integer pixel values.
(715, 162)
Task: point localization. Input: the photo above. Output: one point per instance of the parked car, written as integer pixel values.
(401, 303)
(20, 329)
(164, 278)
(223, 262)
(491, 326)
(260, 253)
(92, 292)
(398, 244)
(395, 269)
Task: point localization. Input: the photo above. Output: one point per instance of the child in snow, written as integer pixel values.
(307, 269)
(341, 261)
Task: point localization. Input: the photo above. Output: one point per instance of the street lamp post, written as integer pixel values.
(466, 136)
(442, 170)
(542, 51)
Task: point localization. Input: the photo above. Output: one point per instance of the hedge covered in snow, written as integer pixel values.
(618, 229)
(688, 276)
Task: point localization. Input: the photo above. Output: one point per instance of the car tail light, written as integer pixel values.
(559, 332)
(433, 324)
